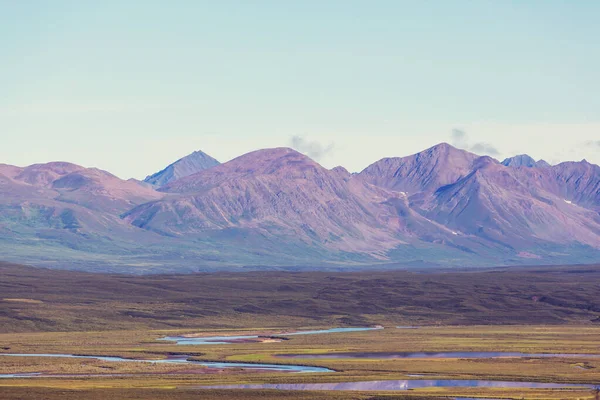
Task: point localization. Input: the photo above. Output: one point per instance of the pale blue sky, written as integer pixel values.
(129, 86)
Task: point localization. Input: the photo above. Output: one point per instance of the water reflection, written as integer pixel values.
(400, 385)
(28, 375)
(183, 340)
(451, 354)
(183, 360)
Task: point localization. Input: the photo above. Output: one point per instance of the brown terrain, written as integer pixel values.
(34, 299)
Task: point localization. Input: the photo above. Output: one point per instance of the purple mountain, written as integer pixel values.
(507, 206)
(278, 194)
(521, 209)
(277, 207)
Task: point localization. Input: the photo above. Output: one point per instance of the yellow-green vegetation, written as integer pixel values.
(169, 379)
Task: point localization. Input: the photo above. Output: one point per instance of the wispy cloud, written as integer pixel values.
(485, 148)
(461, 139)
(594, 143)
(311, 148)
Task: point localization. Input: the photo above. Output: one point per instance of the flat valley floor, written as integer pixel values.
(537, 311)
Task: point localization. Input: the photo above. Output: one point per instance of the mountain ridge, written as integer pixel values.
(420, 171)
(277, 207)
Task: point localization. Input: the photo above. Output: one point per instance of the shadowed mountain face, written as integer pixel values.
(188, 165)
(278, 208)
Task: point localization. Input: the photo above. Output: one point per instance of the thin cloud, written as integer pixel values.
(311, 148)
(461, 139)
(595, 143)
(485, 148)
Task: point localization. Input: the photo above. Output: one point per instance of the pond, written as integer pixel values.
(184, 360)
(451, 354)
(208, 340)
(401, 385)
(29, 375)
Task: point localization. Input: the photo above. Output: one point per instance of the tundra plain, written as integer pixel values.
(530, 310)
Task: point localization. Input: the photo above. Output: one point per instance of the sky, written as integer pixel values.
(130, 86)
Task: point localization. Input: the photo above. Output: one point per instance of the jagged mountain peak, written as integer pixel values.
(524, 160)
(543, 164)
(424, 171)
(186, 166)
(443, 147)
(521, 160)
(340, 170)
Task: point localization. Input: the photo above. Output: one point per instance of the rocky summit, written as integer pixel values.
(188, 165)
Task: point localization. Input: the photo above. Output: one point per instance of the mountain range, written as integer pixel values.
(277, 208)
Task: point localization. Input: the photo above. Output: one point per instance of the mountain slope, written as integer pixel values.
(282, 196)
(502, 205)
(425, 171)
(277, 193)
(514, 208)
(188, 165)
(576, 182)
(55, 211)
